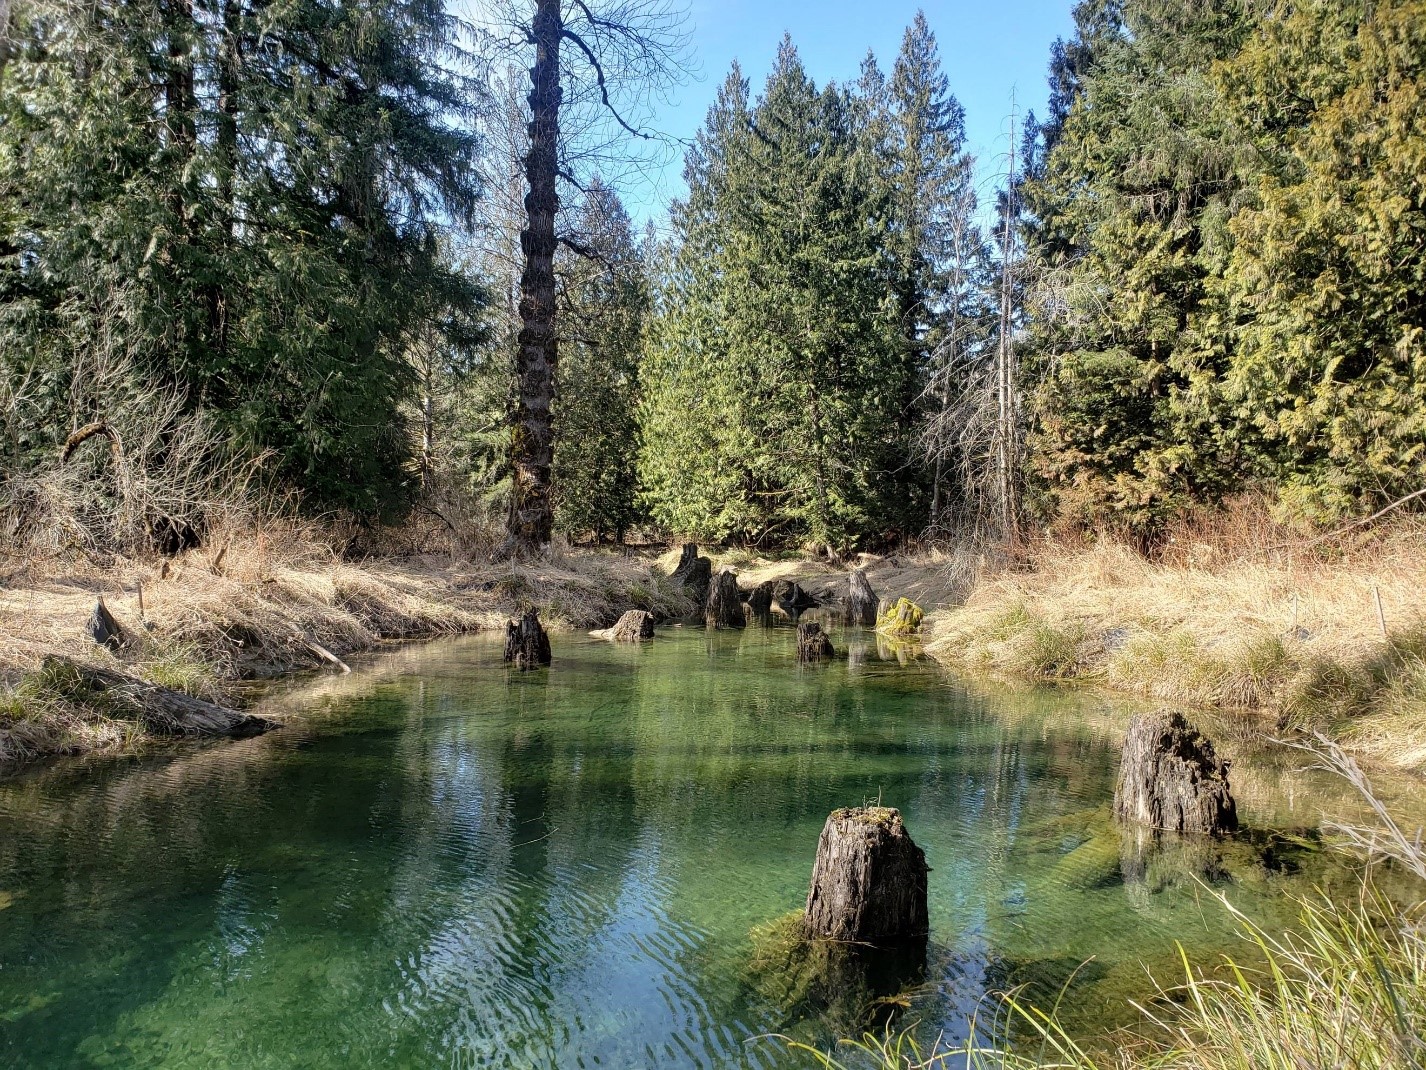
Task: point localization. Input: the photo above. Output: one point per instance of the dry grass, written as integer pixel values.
(1237, 614)
(252, 603)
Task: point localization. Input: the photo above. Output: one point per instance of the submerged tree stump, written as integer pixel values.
(1170, 778)
(724, 608)
(790, 598)
(634, 626)
(812, 642)
(694, 574)
(760, 598)
(869, 880)
(526, 643)
(861, 604)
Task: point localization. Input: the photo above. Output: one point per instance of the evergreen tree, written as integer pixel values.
(605, 301)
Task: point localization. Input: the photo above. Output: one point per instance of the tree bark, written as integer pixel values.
(694, 574)
(869, 880)
(531, 519)
(526, 643)
(1171, 779)
(725, 608)
(812, 642)
(861, 599)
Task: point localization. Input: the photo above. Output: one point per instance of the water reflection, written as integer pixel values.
(439, 863)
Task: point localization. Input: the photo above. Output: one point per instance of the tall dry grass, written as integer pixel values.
(1235, 611)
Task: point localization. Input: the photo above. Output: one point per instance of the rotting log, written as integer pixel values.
(103, 628)
(869, 880)
(694, 574)
(633, 627)
(724, 608)
(526, 643)
(1171, 778)
(813, 643)
(861, 604)
(161, 710)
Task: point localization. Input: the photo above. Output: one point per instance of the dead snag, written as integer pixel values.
(861, 601)
(812, 642)
(724, 608)
(694, 574)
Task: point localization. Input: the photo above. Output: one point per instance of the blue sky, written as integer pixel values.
(989, 50)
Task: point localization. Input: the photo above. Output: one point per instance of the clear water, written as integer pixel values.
(441, 863)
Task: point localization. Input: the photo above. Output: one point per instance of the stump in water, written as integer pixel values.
(162, 711)
(861, 599)
(869, 880)
(526, 643)
(694, 574)
(760, 598)
(103, 628)
(790, 598)
(1170, 778)
(904, 618)
(725, 608)
(812, 642)
(633, 626)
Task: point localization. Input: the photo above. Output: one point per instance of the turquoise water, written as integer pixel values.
(442, 863)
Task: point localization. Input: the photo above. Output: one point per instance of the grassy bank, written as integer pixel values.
(261, 602)
(1239, 616)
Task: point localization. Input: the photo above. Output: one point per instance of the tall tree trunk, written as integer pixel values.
(1007, 446)
(4, 34)
(531, 519)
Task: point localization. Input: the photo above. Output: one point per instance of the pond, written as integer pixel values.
(442, 863)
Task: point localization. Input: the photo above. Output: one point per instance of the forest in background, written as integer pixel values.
(274, 251)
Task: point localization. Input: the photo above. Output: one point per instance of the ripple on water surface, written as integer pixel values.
(439, 863)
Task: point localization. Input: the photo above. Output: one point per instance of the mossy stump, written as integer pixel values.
(869, 880)
(861, 604)
(724, 608)
(813, 643)
(634, 626)
(694, 574)
(526, 643)
(904, 618)
(1171, 779)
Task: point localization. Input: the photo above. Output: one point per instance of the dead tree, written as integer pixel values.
(869, 880)
(634, 626)
(641, 43)
(861, 599)
(1171, 779)
(526, 643)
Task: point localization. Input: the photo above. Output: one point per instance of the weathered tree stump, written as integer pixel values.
(161, 710)
(869, 880)
(103, 628)
(694, 574)
(725, 608)
(760, 598)
(1170, 778)
(812, 642)
(526, 643)
(861, 601)
(632, 627)
(790, 598)
(904, 618)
